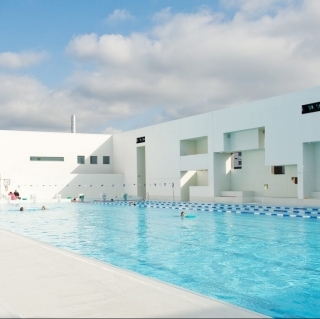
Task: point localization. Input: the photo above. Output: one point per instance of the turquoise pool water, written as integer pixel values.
(264, 263)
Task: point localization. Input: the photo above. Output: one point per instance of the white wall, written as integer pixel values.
(222, 173)
(202, 178)
(309, 169)
(286, 131)
(17, 147)
(243, 140)
(194, 162)
(317, 166)
(194, 146)
(255, 174)
(162, 151)
(68, 185)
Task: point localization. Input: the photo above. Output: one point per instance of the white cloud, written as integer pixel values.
(185, 65)
(111, 130)
(113, 48)
(192, 63)
(119, 15)
(13, 60)
(26, 104)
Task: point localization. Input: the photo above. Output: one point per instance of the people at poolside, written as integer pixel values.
(43, 207)
(21, 209)
(73, 199)
(16, 193)
(12, 195)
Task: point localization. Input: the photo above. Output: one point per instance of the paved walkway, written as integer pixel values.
(38, 280)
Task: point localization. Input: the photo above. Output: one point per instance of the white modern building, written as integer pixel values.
(265, 152)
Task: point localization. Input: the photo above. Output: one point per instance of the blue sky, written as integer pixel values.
(50, 24)
(125, 64)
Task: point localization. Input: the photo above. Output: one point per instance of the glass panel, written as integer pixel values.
(106, 159)
(81, 159)
(48, 159)
(93, 159)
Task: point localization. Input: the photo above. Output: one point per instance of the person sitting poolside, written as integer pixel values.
(16, 194)
(73, 199)
(43, 207)
(13, 196)
(21, 209)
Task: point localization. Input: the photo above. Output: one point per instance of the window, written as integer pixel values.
(277, 170)
(237, 160)
(93, 159)
(294, 180)
(46, 159)
(194, 146)
(310, 108)
(106, 159)
(141, 139)
(81, 159)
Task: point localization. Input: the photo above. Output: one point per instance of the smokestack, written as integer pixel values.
(73, 123)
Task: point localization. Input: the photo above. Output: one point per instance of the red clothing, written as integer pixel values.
(13, 196)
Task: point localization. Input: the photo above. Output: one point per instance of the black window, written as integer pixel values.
(310, 108)
(277, 170)
(141, 139)
(93, 159)
(106, 159)
(81, 159)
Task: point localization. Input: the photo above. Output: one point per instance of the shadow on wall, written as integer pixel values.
(94, 163)
(52, 178)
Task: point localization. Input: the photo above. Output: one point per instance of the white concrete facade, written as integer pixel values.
(186, 159)
(46, 179)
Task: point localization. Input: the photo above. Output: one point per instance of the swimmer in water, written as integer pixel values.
(182, 214)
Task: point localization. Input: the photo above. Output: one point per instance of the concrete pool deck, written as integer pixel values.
(38, 280)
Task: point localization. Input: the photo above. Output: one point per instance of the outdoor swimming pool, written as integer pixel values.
(264, 263)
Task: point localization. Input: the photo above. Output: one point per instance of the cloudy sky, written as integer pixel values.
(120, 65)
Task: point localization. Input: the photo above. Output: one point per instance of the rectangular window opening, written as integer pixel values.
(141, 139)
(81, 159)
(46, 159)
(93, 159)
(237, 160)
(310, 108)
(106, 159)
(277, 170)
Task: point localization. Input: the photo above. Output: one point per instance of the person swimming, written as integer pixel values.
(182, 214)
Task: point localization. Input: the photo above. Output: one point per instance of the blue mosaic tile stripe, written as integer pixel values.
(278, 211)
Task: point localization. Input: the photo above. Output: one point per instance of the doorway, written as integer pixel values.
(141, 172)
